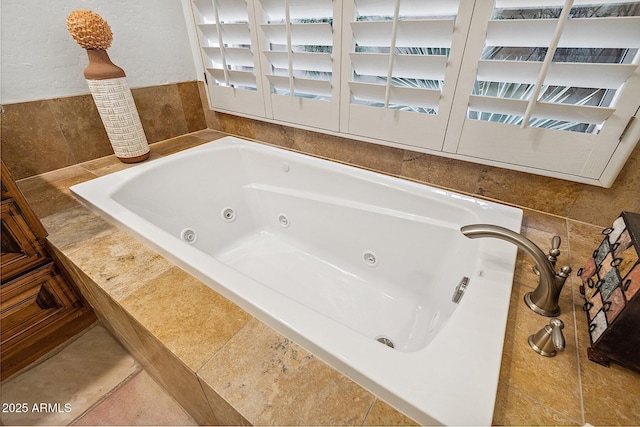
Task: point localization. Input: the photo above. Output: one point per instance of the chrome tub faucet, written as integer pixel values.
(544, 299)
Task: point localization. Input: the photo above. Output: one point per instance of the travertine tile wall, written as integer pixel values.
(581, 202)
(45, 135)
(41, 136)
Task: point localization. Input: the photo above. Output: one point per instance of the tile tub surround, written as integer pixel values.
(189, 344)
(46, 135)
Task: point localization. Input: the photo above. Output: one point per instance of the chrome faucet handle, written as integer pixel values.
(553, 254)
(549, 340)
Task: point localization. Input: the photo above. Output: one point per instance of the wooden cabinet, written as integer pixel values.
(611, 285)
(40, 307)
(21, 249)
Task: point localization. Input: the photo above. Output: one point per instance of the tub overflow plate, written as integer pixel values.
(460, 289)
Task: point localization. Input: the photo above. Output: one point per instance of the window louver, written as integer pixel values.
(229, 58)
(300, 62)
(399, 53)
(552, 86)
(565, 62)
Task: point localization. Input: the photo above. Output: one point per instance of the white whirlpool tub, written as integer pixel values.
(339, 259)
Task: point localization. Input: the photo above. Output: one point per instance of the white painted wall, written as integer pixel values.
(40, 60)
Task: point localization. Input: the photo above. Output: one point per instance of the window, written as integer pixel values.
(229, 54)
(544, 86)
(401, 60)
(553, 89)
(528, 71)
(301, 49)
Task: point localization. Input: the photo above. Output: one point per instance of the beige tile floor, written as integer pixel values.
(91, 381)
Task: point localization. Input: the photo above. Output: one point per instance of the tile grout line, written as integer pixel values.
(575, 326)
(224, 345)
(538, 402)
(108, 394)
(366, 416)
(50, 354)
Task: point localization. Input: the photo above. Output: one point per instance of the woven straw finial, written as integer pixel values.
(89, 30)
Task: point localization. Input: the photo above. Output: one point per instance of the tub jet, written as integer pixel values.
(228, 214)
(370, 258)
(283, 220)
(188, 235)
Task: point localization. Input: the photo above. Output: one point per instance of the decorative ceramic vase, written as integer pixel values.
(112, 96)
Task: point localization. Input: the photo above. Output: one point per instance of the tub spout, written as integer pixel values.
(544, 299)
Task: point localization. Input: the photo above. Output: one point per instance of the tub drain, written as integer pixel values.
(386, 341)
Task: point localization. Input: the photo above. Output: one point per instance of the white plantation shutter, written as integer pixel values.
(230, 61)
(551, 87)
(399, 68)
(543, 86)
(301, 49)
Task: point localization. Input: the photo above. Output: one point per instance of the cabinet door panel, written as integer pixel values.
(20, 248)
(30, 300)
